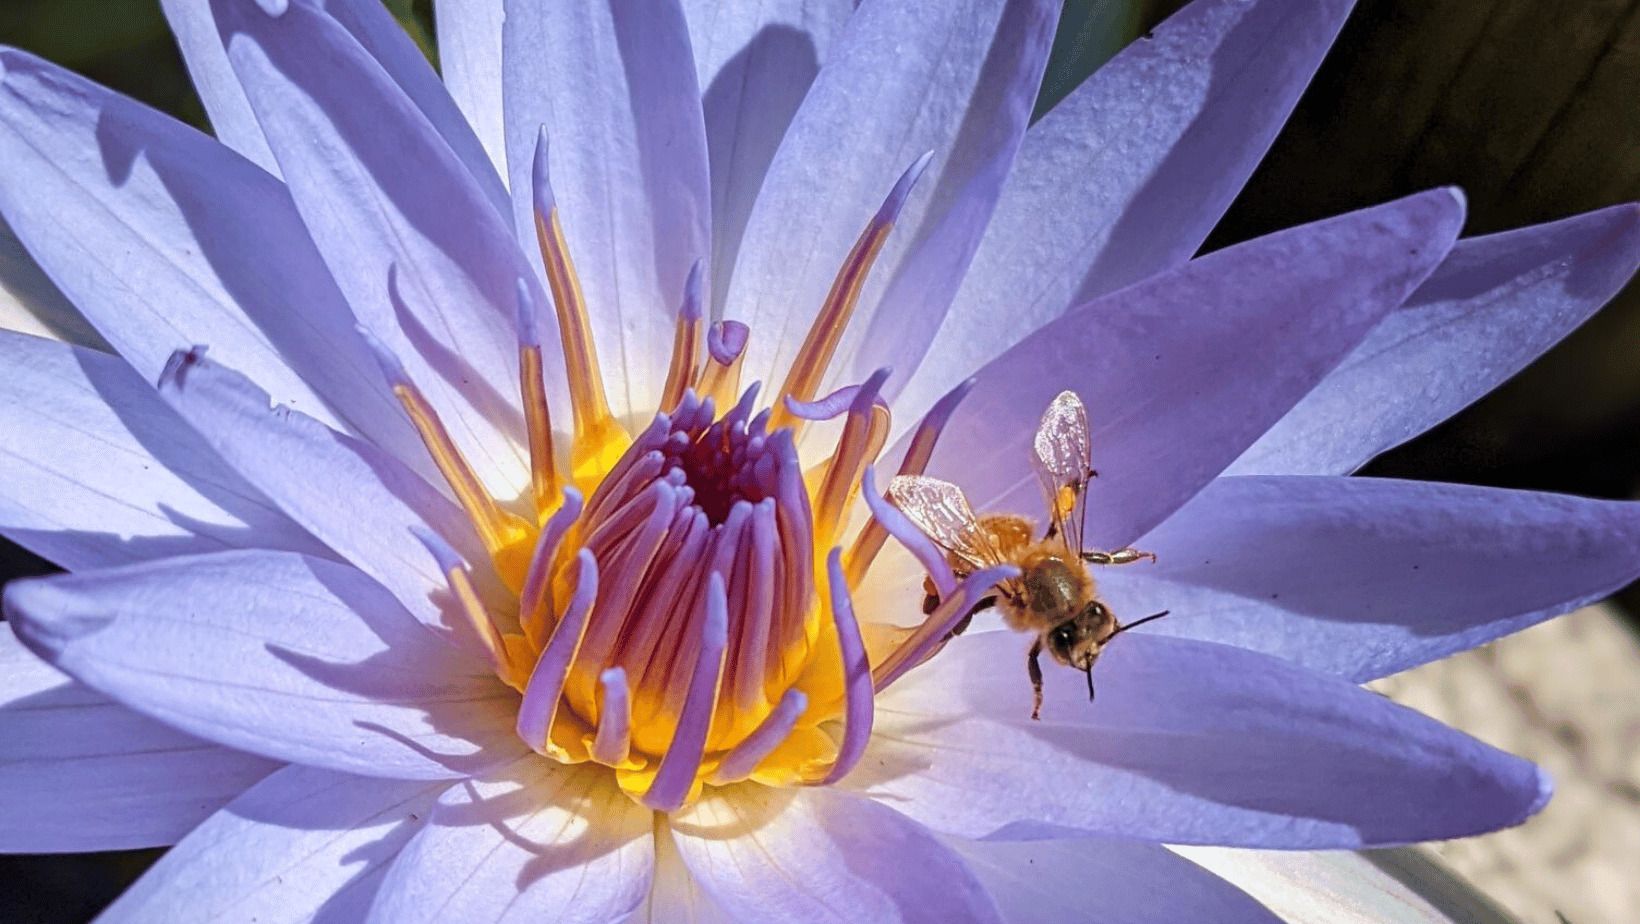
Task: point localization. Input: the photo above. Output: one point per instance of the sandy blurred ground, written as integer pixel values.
(1567, 695)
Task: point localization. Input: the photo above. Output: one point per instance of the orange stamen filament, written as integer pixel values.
(593, 421)
(815, 355)
(496, 527)
(685, 369)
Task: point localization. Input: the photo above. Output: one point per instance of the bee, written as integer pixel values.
(1054, 596)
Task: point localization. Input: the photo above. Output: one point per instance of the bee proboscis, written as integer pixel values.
(1054, 595)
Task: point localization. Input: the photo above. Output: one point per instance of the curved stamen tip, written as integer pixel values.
(943, 408)
(274, 8)
(529, 329)
(392, 369)
(869, 390)
(726, 339)
(541, 175)
(442, 551)
(742, 761)
(902, 529)
(891, 207)
(692, 289)
(833, 405)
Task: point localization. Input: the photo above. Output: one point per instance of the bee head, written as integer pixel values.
(1077, 642)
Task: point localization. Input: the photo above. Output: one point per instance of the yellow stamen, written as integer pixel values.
(538, 418)
(686, 366)
(595, 427)
(814, 357)
(720, 380)
(867, 424)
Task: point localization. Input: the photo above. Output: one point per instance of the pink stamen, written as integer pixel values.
(546, 684)
(831, 501)
(613, 743)
(743, 760)
(932, 633)
(676, 776)
(916, 542)
(461, 588)
(536, 608)
(858, 690)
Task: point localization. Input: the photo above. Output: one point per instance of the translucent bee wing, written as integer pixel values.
(1063, 463)
(940, 510)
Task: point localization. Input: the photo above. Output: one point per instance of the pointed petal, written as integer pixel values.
(1364, 577)
(361, 502)
(1494, 305)
(31, 303)
(754, 64)
(97, 471)
(1126, 176)
(539, 841)
(292, 657)
(902, 79)
(303, 845)
(1093, 879)
(1339, 887)
(616, 93)
(469, 55)
(1189, 743)
(81, 772)
(1185, 370)
(805, 855)
(194, 26)
(164, 239)
(423, 257)
(368, 21)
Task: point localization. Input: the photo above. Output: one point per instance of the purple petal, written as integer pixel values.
(291, 657)
(802, 855)
(31, 303)
(1093, 879)
(754, 63)
(1126, 176)
(368, 21)
(538, 842)
(1494, 305)
(1188, 743)
(417, 247)
(902, 79)
(1362, 577)
(194, 26)
(1405, 886)
(97, 471)
(616, 92)
(469, 56)
(304, 844)
(357, 499)
(1182, 372)
(164, 239)
(81, 772)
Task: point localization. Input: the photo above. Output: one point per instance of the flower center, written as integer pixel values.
(682, 609)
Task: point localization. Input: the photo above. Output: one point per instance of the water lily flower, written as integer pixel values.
(470, 497)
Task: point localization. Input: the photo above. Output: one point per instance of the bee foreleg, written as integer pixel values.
(1119, 557)
(985, 603)
(1034, 668)
(931, 597)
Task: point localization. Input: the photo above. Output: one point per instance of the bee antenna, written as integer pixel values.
(1135, 624)
(1090, 682)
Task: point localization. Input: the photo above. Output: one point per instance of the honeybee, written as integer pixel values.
(1054, 595)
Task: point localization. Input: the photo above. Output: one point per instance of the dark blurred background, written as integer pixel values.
(1531, 107)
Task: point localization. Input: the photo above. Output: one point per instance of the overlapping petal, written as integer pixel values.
(163, 238)
(1125, 177)
(754, 64)
(81, 772)
(812, 855)
(304, 845)
(417, 247)
(278, 654)
(615, 91)
(31, 303)
(1188, 742)
(98, 471)
(1496, 303)
(536, 842)
(1104, 882)
(1184, 371)
(369, 505)
(902, 79)
(469, 57)
(1363, 577)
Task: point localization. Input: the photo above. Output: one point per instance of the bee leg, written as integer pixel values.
(1034, 668)
(1119, 557)
(984, 604)
(931, 597)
